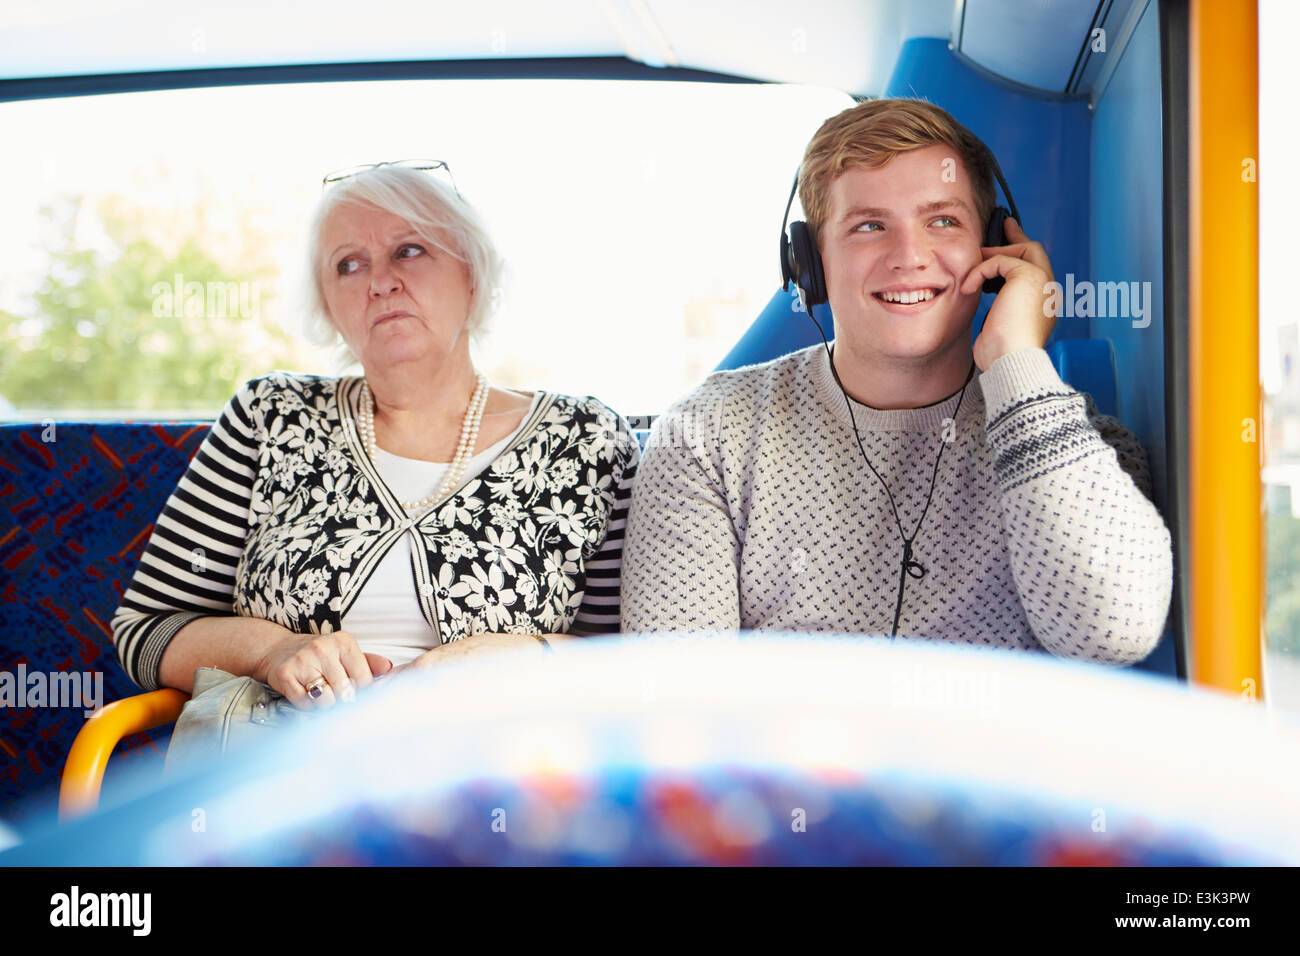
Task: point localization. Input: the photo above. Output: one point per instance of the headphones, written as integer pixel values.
(801, 261)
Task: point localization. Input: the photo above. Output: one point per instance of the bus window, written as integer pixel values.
(153, 239)
(1279, 351)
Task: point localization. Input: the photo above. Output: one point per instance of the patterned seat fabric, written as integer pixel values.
(78, 503)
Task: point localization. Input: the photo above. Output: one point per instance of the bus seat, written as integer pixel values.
(781, 328)
(79, 501)
(1088, 365)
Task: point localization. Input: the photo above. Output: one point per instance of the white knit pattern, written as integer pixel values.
(753, 509)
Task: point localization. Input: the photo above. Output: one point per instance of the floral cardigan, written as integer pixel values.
(281, 515)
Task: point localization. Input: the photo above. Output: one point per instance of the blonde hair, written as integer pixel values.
(435, 212)
(872, 133)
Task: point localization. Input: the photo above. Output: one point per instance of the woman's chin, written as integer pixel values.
(394, 354)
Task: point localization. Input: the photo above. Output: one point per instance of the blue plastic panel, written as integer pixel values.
(1127, 228)
(1128, 235)
(1087, 365)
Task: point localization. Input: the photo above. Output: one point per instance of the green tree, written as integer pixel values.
(108, 331)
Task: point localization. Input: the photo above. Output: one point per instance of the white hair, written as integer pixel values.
(436, 213)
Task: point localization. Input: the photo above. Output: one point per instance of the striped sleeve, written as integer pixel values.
(188, 567)
(599, 612)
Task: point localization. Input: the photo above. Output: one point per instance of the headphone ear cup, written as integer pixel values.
(996, 235)
(807, 264)
(788, 268)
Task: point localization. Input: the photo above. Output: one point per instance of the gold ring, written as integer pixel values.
(317, 687)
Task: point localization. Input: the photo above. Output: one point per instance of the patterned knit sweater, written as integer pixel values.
(753, 509)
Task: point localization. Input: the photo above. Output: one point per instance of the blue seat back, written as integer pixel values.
(78, 503)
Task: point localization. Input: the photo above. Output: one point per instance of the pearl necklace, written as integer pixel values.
(464, 449)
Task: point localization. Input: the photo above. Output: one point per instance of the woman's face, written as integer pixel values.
(393, 297)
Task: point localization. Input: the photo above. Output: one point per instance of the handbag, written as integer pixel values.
(225, 714)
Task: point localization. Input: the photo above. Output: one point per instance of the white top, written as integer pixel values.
(385, 618)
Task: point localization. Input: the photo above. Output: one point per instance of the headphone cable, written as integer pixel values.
(910, 566)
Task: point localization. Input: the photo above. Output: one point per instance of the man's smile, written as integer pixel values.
(909, 299)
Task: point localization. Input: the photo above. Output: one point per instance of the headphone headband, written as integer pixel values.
(794, 187)
(997, 173)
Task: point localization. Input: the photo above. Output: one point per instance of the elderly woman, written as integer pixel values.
(331, 529)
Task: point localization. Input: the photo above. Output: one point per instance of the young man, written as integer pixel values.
(988, 502)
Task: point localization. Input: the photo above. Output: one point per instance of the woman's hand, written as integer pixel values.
(293, 663)
(1022, 315)
(479, 645)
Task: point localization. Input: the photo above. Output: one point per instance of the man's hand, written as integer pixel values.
(1021, 316)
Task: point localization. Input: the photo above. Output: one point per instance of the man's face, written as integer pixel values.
(897, 243)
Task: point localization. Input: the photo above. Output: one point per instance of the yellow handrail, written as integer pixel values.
(83, 773)
(1226, 561)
